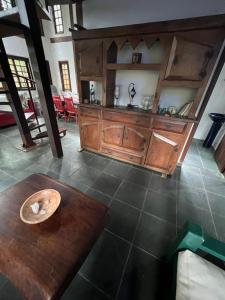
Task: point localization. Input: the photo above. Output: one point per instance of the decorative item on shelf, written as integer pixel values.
(185, 109)
(136, 58)
(162, 110)
(147, 102)
(131, 93)
(86, 101)
(92, 94)
(172, 110)
(117, 94)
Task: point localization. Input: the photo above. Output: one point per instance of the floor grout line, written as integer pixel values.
(131, 246)
(210, 209)
(94, 285)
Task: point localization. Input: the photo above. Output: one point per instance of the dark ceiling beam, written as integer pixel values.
(10, 14)
(152, 28)
(79, 13)
(9, 28)
(71, 14)
(14, 99)
(29, 18)
(62, 2)
(42, 12)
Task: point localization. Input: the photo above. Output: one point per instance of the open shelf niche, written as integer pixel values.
(121, 71)
(98, 89)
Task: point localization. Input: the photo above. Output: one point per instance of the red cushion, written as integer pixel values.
(6, 118)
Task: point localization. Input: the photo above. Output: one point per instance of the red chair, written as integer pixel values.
(59, 108)
(71, 111)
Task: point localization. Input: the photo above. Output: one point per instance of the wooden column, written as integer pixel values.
(71, 15)
(205, 101)
(29, 18)
(79, 12)
(14, 99)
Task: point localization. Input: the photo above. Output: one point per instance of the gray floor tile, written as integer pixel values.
(9, 292)
(220, 228)
(85, 175)
(213, 185)
(217, 203)
(163, 185)
(188, 195)
(161, 205)
(117, 169)
(131, 193)
(98, 162)
(190, 177)
(106, 184)
(105, 263)
(155, 235)
(81, 289)
(99, 196)
(122, 219)
(197, 216)
(143, 278)
(139, 176)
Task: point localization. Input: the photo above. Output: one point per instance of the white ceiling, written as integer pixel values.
(105, 13)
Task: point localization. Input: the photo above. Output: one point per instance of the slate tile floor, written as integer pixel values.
(145, 212)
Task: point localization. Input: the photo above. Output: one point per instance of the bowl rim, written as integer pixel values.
(31, 196)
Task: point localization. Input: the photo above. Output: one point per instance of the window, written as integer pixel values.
(65, 76)
(1, 86)
(58, 21)
(21, 66)
(6, 4)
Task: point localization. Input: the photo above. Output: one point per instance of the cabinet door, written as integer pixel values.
(135, 138)
(112, 133)
(163, 151)
(220, 155)
(89, 133)
(90, 58)
(188, 60)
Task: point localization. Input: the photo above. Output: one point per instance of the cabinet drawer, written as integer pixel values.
(169, 125)
(126, 118)
(122, 155)
(84, 111)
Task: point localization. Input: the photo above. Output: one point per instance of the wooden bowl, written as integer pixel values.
(48, 201)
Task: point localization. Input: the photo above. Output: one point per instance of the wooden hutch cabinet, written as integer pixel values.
(189, 50)
(90, 58)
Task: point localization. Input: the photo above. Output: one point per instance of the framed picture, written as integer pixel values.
(136, 58)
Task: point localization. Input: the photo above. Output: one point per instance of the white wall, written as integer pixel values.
(105, 13)
(56, 52)
(101, 13)
(216, 104)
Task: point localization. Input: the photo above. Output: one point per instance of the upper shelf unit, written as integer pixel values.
(152, 67)
(182, 60)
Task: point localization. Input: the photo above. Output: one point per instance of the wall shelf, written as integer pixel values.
(91, 78)
(181, 83)
(152, 67)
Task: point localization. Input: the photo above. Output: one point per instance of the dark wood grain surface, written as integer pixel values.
(42, 259)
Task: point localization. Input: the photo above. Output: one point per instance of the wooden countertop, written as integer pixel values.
(42, 259)
(136, 110)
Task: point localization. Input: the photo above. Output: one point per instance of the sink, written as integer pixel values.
(217, 117)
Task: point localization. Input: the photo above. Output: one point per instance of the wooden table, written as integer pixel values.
(42, 259)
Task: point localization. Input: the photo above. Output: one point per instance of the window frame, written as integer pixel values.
(8, 4)
(29, 72)
(61, 63)
(55, 18)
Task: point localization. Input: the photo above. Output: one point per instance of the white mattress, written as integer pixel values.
(198, 279)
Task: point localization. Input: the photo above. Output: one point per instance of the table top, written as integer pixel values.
(42, 259)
